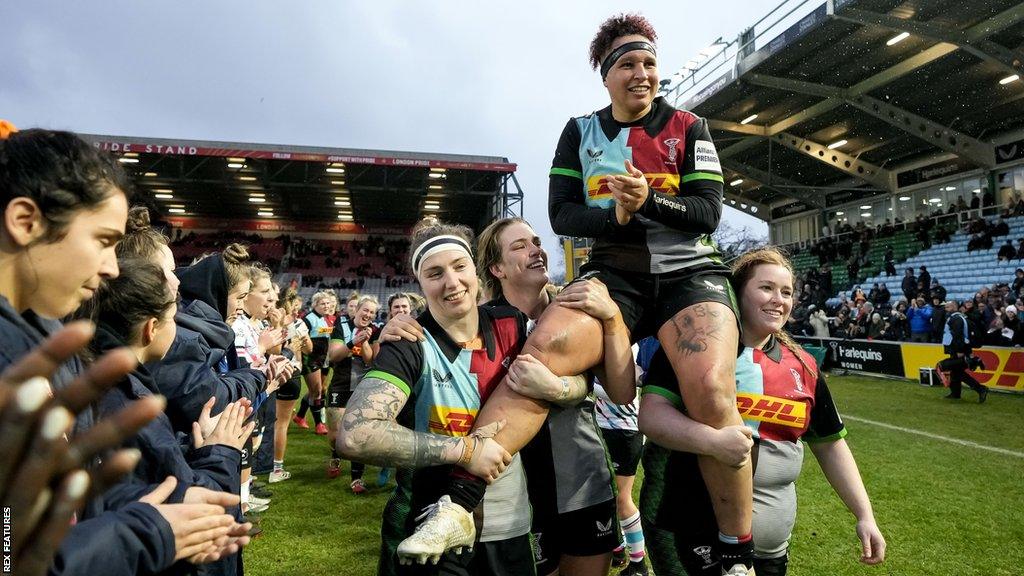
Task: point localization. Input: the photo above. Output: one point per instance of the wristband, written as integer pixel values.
(467, 451)
(565, 389)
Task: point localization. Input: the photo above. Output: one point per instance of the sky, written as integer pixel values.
(462, 77)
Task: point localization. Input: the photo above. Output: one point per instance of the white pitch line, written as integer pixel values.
(967, 443)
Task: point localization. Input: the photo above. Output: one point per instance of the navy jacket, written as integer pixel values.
(164, 453)
(188, 375)
(134, 539)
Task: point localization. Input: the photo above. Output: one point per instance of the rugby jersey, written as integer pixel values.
(447, 385)
(674, 150)
(351, 369)
(320, 329)
(782, 403)
(566, 464)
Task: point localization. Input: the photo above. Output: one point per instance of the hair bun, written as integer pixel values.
(236, 254)
(138, 219)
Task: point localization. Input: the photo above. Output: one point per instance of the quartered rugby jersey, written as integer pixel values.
(674, 150)
(447, 385)
(351, 369)
(777, 397)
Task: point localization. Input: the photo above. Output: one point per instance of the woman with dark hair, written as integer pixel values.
(772, 370)
(65, 206)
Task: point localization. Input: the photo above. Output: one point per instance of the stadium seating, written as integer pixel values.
(962, 273)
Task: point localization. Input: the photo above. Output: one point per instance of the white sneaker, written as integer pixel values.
(738, 570)
(447, 526)
(256, 508)
(279, 476)
(256, 501)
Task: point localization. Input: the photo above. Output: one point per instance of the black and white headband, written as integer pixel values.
(438, 244)
(612, 58)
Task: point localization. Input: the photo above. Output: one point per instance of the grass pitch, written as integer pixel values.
(945, 508)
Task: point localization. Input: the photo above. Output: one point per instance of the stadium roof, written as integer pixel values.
(823, 103)
(205, 181)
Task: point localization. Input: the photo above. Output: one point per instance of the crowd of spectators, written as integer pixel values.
(917, 315)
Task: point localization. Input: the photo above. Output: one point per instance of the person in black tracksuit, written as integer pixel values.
(957, 343)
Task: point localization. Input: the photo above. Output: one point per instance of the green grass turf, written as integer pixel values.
(945, 509)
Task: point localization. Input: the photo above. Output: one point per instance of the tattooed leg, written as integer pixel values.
(701, 342)
(370, 434)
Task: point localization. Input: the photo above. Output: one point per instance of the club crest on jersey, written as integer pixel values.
(797, 380)
(671, 143)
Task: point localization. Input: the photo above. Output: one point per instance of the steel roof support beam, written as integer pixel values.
(972, 40)
(781, 185)
(764, 212)
(981, 153)
(752, 129)
(841, 161)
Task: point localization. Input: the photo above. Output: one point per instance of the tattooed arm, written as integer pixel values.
(370, 433)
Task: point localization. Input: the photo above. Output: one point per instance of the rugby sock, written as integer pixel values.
(357, 470)
(303, 407)
(334, 453)
(465, 489)
(733, 550)
(634, 537)
(317, 409)
(278, 465)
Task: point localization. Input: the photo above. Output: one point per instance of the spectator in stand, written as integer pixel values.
(1001, 228)
(1006, 252)
(840, 325)
(1012, 321)
(998, 334)
(938, 290)
(909, 285)
(873, 293)
(1018, 283)
(859, 327)
(890, 262)
(819, 324)
(938, 321)
(883, 296)
(975, 202)
(961, 205)
(1020, 249)
(924, 277)
(920, 317)
(985, 314)
(876, 327)
(857, 295)
(899, 326)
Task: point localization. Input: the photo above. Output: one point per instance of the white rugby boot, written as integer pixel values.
(448, 526)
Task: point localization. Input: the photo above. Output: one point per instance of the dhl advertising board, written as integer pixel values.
(1004, 367)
